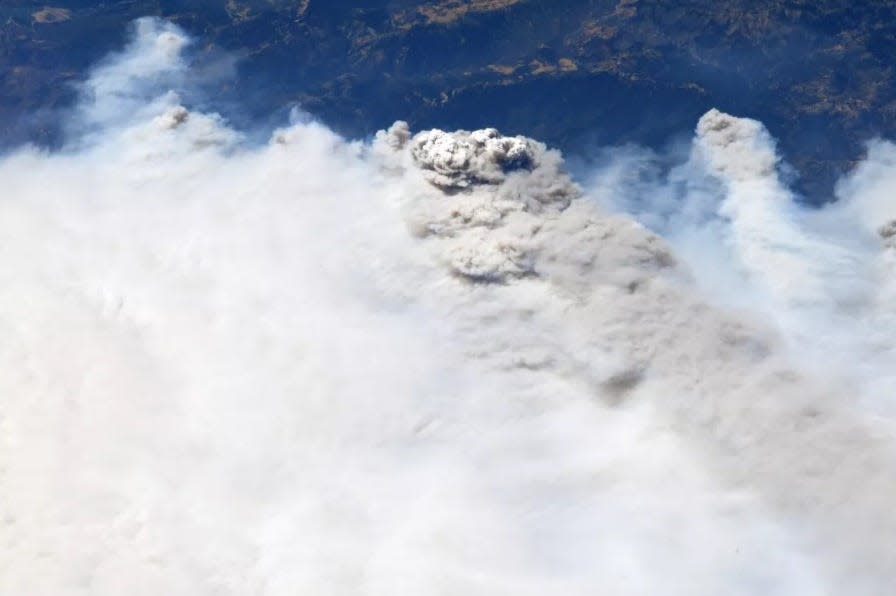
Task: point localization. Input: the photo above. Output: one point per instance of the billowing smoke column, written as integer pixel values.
(825, 276)
(507, 210)
(770, 244)
(430, 364)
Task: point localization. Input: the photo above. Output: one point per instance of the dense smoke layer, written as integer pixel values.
(432, 363)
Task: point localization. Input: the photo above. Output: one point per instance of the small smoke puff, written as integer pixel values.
(172, 118)
(737, 148)
(396, 136)
(888, 230)
(178, 130)
(887, 233)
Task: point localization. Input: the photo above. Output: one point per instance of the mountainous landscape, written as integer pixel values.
(575, 74)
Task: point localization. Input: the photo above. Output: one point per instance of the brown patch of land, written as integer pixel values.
(302, 8)
(448, 12)
(50, 14)
(567, 65)
(237, 12)
(502, 69)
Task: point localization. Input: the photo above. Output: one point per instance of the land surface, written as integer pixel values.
(576, 74)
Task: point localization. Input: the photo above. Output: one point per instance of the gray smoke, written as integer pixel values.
(503, 208)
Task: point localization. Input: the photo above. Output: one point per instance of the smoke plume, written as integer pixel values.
(434, 363)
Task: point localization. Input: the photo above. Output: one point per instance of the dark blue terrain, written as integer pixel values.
(574, 73)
